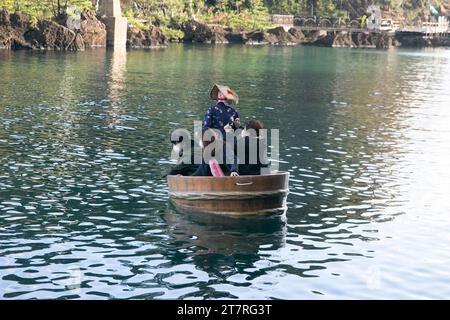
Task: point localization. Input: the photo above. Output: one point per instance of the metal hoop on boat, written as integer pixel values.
(244, 183)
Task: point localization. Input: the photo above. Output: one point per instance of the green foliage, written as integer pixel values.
(43, 8)
(248, 15)
(325, 8)
(7, 4)
(286, 6)
(137, 22)
(247, 20)
(34, 22)
(173, 34)
(243, 14)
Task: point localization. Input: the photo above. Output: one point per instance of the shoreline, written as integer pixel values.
(18, 32)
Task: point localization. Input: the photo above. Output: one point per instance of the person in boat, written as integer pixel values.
(222, 115)
(186, 157)
(250, 161)
(210, 165)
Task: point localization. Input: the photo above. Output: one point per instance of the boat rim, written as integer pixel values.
(272, 174)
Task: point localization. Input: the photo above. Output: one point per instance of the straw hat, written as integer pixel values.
(226, 91)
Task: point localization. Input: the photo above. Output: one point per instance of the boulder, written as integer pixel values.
(196, 32)
(279, 36)
(11, 30)
(297, 35)
(342, 40)
(78, 44)
(260, 37)
(92, 30)
(321, 39)
(218, 35)
(147, 38)
(4, 18)
(52, 36)
(363, 39)
(235, 36)
(336, 39)
(20, 21)
(174, 24)
(11, 38)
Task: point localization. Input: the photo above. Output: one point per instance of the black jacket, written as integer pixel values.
(247, 164)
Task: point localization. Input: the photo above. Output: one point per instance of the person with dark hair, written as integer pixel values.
(250, 161)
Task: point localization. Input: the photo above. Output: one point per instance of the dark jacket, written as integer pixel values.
(247, 165)
(218, 116)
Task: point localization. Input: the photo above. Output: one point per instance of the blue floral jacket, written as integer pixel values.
(218, 116)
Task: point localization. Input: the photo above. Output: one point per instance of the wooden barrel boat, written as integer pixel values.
(236, 196)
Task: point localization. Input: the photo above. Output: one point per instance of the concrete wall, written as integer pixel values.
(116, 25)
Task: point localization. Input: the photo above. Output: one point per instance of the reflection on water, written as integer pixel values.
(225, 235)
(84, 140)
(116, 84)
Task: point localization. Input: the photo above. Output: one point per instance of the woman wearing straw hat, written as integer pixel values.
(222, 115)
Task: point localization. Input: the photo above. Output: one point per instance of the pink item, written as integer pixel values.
(215, 168)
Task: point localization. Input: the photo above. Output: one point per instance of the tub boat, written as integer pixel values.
(232, 196)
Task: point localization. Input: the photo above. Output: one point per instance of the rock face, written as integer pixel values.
(4, 18)
(148, 38)
(343, 39)
(235, 36)
(11, 37)
(350, 40)
(19, 21)
(297, 35)
(53, 36)
(280, 37)
(320, 40)
(92, 30)
(363, 40)
(383, 41)
(78, 33)
(78, 44)
(195, 31)
(372, 40)
(334, 39)
(16, 32)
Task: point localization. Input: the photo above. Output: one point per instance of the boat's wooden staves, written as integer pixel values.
(243, 195)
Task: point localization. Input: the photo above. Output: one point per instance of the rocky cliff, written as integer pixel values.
(198, 32)
(16, 32)
(152, 37)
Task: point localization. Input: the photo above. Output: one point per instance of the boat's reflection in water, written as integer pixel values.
(201, 233)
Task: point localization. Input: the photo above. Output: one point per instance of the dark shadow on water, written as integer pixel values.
(214, 234)
(221, 246)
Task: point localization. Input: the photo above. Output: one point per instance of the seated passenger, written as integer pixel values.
(248, 147)
(210, 165)
(186, 157)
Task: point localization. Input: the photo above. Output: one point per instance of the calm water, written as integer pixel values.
(84, 141)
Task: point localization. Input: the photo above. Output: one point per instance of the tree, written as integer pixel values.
(44, 8)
